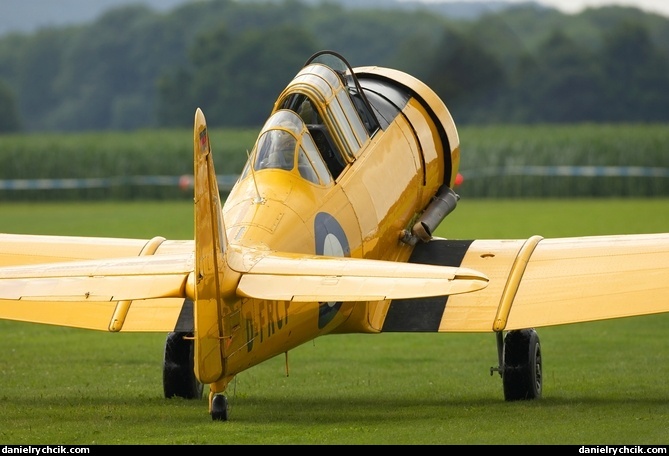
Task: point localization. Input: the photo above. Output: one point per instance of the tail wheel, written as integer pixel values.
(219, 408)
(521, 374)
(178, 370)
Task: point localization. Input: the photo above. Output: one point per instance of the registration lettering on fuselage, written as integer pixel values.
(270, 317)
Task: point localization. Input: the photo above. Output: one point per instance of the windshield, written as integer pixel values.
(276, 149)
(285, 144)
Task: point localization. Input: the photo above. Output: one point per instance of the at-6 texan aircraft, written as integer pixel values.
(329, 230)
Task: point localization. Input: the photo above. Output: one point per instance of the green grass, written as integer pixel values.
(604, 381)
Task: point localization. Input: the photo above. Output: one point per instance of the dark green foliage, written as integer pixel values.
(464, 73)
(9, 115)
(637, 75)
(134, 68)
(565, 85)
(238, 86)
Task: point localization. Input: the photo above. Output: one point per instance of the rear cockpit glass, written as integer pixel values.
(315, 158)
(344, 71)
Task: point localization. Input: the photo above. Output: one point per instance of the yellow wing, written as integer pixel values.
(152, 292)
(99, 313)
(542, 282)
(488, 285)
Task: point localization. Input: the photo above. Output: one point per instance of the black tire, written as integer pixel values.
(179, 378)
(219, 408)
(522, 373)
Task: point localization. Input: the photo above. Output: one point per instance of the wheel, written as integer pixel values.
(178, 371)
(521, 375)
(219, 408)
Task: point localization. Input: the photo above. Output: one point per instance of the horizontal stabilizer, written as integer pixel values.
(293, 277)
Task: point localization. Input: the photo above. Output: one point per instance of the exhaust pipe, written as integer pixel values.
(444, 203)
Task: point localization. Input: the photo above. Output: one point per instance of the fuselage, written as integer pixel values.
(355, 172)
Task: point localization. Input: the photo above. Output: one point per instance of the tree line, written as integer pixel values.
(134, 68)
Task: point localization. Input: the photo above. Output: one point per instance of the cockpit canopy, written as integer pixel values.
(320, 123)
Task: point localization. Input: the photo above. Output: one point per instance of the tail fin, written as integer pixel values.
(210, 245)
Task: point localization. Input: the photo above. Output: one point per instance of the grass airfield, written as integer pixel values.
(604, 382)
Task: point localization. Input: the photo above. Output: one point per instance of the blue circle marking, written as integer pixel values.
(330, 241)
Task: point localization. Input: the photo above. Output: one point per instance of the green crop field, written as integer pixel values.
(538, 161)
(604, 382)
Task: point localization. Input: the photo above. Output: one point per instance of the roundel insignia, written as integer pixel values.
(330, 241)
(204, 141)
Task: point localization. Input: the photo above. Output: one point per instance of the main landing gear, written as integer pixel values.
(178, 370)
(519, 355)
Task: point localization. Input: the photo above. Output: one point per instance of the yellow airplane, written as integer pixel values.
(329, 231)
